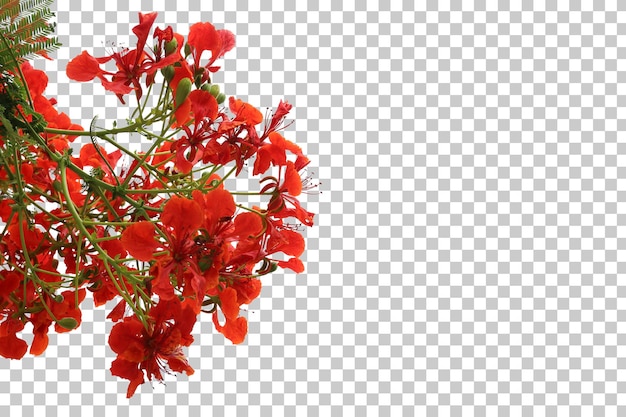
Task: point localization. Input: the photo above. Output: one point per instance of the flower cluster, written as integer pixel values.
(158, 231)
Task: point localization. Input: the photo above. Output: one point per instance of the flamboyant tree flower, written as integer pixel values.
(37, 81)
(142, 351)
(131, 64)
(284, 202)
(190, 148)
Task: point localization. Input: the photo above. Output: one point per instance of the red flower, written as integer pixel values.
(290, 243)
(181, 219)
(37, 81)
(284, 202)
(218, 207)
(190, 148)
(85, 67)
(139, 350)
(236, 139)
(249, 230)
(132, 64)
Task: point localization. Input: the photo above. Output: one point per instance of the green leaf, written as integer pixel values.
(25, 31)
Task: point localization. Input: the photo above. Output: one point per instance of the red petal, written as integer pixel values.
(36, 80)
(234, 330)
(118, 311)
(294, 264)
(180, 364)
(142, 30)
(12, 347)
(229, 304)
(186, 320)
(165, 310)
(278, 140)
(161, 284)
(182, 215)
(263, 159)
(138, 240)
(128, 370)
(216, 204)
(83, 68)
(117, 87)
(203, 37)
(114, 248)
(89, 156)
(228, 40)
(126, 339)
(289, 242)
(212, 278)
(9, 282)
(248, 224)
(266, 154)
(293, 182)
(182, 116)
(246, 112)
(164, 35)
(203, 104)
(247, 290)
(40, 342)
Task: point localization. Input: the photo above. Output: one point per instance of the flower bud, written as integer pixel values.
(68, 323)
(206, 87)
(215, 90)
(182, 91)
(187, 49)
(168, 73)
(58, 187)
(221, 97)
(170, 46)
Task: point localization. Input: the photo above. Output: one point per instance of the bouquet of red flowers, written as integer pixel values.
(156, 230)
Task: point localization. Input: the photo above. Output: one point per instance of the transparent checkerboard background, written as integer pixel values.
(467, 258)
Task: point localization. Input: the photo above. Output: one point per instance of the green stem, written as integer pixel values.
(104, 256)
(126, 129)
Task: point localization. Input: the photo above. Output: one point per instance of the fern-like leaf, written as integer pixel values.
(25, 31)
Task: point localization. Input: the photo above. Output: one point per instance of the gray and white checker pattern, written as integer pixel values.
(467, 258)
